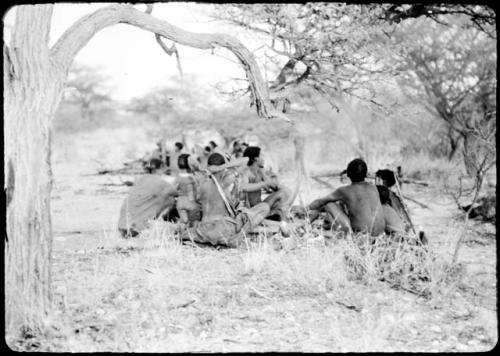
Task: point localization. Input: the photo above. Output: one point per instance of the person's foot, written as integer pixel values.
(285, 230)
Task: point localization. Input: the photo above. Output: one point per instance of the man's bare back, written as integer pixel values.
(364, 209)
(211, 201)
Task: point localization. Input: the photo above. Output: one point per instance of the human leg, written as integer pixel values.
(338, 217)
(252, 217)
(277, 202)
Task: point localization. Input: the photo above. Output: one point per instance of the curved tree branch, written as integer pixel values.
(78, 35)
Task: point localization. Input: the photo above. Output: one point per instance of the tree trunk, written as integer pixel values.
(300, 166)
(33, 83)
(454, 142)
(32, 91)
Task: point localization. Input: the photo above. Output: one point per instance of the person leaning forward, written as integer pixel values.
(150, 197)
(221, 223)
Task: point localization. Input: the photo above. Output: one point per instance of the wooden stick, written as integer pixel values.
(321, 181)
(405, 208)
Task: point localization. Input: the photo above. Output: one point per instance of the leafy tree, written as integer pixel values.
(331, 48)
(453, 71)
(482, 18)
(87, 88)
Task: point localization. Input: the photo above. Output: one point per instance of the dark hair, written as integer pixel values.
(179, 145)
(357, 170)
(216, 159)
(182, 161)
(387, 177)
(213, 144)
(208, 149)
(383, 193)
(155, 163)
(252, 152)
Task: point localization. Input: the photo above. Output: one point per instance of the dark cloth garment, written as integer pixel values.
(226, 230)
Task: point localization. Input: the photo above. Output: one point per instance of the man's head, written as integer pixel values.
(253, 154)
(218, 163)
(386, 176)
(216, 159)
(383, 193)
(178, 146)
(357, 170)
(183, 162)
(207, 150)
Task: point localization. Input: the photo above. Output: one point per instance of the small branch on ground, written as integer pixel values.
(349, 306)
(416, 202)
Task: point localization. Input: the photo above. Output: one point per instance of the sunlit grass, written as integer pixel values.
(155, 294)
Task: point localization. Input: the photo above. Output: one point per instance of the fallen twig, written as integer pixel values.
(416, 202)
(411, 181)
(260, 294)
(183, 305)
(349, 306)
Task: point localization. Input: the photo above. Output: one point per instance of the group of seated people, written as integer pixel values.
(224, 201)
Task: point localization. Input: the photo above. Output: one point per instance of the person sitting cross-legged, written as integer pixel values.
(221, 223)
(255, 181)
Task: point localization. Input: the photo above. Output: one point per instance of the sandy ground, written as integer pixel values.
(275, 316)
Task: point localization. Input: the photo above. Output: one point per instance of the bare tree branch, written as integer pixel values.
(78, 35)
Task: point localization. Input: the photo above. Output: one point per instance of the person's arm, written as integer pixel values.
(246, 186)
(330, 198)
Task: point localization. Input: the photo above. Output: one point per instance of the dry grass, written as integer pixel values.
(154, 294)
(401, 261)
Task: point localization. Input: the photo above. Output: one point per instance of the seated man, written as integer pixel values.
(188, 187)
(204, 157)
(237, 150)
(361, 200)
(174, 156)
(150, 197)
(155, 160)
(221, 224)
(254, 181)
(393, 222)
(388, 179)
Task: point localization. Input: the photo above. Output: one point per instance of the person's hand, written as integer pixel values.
(269, 183)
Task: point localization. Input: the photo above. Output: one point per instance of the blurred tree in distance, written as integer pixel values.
(87, 88)
(86, 102)
(454, 71)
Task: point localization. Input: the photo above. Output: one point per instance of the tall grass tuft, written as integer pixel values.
(402, 261)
